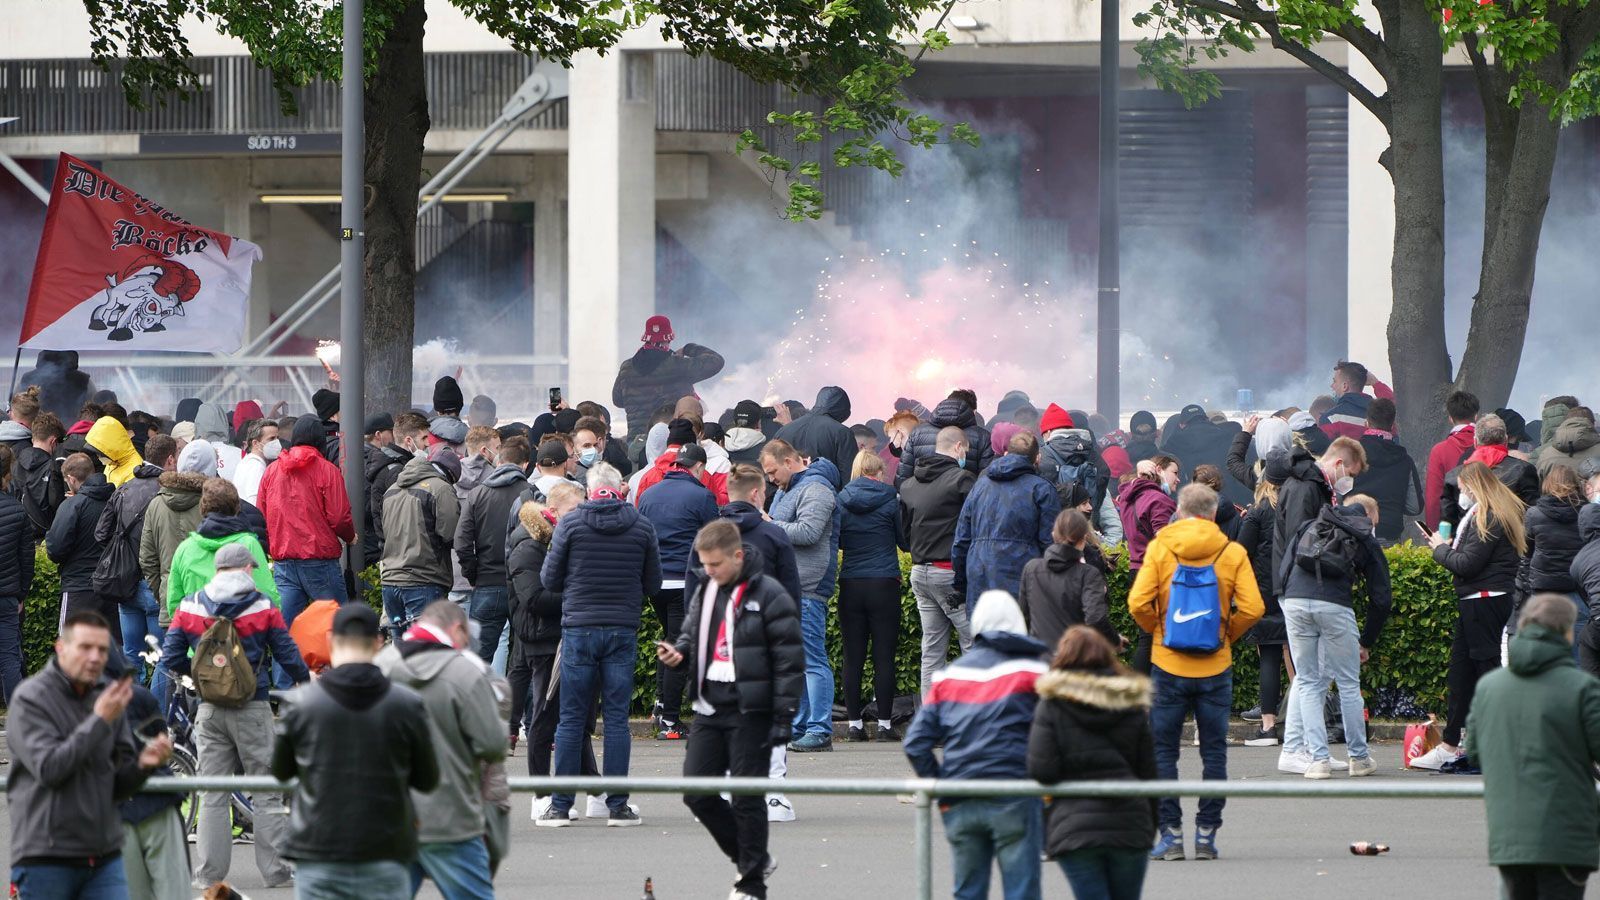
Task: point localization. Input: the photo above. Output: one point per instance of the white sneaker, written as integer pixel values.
(1435, 759)
(540, 804)
(1319, 770)
(1362, 766)
(1338, 765)
(597, 808)
(779, 809)
(1294, 763)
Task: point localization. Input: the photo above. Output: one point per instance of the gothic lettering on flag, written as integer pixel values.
(118, 271)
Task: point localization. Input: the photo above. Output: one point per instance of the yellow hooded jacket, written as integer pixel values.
(1195, 542)
(109, 437)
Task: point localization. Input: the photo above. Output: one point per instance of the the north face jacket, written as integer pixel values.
(420, 515)
(170, 517)
(925, 437)
(769, 664)
(1005, 522)
(822, 434)
(808, 512)
(195, 561)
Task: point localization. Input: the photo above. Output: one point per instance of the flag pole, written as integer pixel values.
(16, 367)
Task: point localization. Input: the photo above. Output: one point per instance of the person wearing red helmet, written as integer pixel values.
(655, 375)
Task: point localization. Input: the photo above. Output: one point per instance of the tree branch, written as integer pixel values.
(1248, 11)
(1369, 44)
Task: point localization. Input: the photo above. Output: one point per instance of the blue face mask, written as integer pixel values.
(589, 457)
(962, 463)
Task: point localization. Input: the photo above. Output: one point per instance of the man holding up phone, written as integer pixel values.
(741, 641)
(72, 756)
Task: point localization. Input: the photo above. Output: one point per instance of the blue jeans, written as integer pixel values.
(10, 646)
(301, 581)
(600, 658)
(460, 871)
(488, 608)
(140, 617)
(402, 604)
(982, 832)
(1583, 620)
(815, 715)
(1325, 644)
(103, 882)
(315, 880)
(1104, 873)
(1210, 700)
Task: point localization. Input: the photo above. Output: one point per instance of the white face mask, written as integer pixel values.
(1467, 500)
(271, 449)
(1344, 485)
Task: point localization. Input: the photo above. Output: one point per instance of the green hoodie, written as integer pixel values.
(1535, 729)
(195, 562)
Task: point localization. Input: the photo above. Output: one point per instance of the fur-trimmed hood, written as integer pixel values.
(532, 517)
(1113, 693)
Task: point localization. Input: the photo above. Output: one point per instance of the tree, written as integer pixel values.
(848, 53)
(1535, 65)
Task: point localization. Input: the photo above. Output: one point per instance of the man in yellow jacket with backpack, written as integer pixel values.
(1196, 594)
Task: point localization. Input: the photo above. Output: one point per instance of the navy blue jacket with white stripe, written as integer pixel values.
(981, 708)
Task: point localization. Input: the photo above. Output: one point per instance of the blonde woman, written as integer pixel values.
(1488, 547)
(870, 536)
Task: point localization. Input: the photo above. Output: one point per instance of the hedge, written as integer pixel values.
(1404, 677)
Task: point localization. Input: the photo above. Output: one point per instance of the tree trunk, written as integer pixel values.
(396, 122)
(1516, 202)
(1418, 355)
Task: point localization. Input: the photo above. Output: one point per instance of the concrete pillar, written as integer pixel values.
(611, 222)
(1371, 228)
(549, 265)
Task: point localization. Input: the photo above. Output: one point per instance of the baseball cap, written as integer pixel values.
(233, 556)
(355, 620)
(1192, 411)
(689, 455)
(377, 423)
(448, 429)
(552, 453)
(747, 414)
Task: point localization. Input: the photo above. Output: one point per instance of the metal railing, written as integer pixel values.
(925, 791)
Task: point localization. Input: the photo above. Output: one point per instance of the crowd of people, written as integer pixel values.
(519, 562)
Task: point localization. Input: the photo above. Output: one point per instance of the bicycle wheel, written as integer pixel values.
(183, 766)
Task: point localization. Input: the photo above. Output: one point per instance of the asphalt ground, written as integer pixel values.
(863, 846)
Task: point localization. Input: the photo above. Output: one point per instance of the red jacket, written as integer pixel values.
(302, 495)
(717, 484)
(1444, 456)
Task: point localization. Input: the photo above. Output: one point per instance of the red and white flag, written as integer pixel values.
(117, 271)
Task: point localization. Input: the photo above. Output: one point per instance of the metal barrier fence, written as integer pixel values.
(925, 791)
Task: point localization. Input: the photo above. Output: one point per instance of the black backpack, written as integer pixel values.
(1326, 549)
(1078, 467)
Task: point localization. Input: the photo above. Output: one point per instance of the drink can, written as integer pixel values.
(1445, 530)
(1246, 400)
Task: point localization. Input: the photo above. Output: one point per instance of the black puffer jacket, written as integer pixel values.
(925, 437)
(930, 506)
(769, 663)
(356, 741)
(1062, 589)
(71, 542)
(821, 433)
(1586, 564)
(1477, 564)
(1093, 726)
(1255, 536)
(604, 561)
(1553, 542)
(535, 612)
(16, 549)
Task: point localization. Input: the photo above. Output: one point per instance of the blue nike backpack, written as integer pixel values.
(1194, 610)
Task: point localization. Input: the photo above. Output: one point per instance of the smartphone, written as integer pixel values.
(555, 399)
(1425, 529)
(151, 728)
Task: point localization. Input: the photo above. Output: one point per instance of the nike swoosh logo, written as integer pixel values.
(1181, 618)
